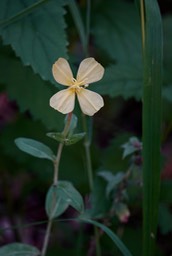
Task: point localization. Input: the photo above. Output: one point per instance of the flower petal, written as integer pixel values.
(89, 71)
(90, 102)
(62, 72)
(63, 101)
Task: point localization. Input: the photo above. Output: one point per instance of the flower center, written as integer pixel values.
(78, 85)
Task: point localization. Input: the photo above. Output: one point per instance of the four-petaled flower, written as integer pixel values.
(89, 71)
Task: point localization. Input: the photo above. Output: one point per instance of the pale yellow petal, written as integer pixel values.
(90, 102)
(89, 71)
(62, 72)
(63, 101)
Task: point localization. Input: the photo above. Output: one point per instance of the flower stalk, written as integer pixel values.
(55, 181)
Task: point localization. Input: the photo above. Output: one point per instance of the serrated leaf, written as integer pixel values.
(60, 197)
(121, 80)
(34, 148)
(28, 89)
(38, 37)
(116, 30)
(19, 249)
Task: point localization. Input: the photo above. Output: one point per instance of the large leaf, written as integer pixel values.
(60, 197)
(28, 89)
(116, 29)
(38, 35)
(35, 148)
(121, 80)
(19, 249)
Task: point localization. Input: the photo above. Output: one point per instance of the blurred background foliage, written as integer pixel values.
(30, 43)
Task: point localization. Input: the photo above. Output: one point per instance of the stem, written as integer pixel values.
(84, 37)
(55, 181)
(88, 14)
(60, 148)
(79, 24)
(87, 143)
(47, 236)
(57, 162)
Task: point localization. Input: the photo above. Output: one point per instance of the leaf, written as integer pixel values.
(116, 30)
(124, 250)
(70, 140)
(58, 136)
(37, 36)
(151, 117)
(69, 193)
(121, 80)
(113, 180)
(19, 249)
(28, 89)
(60, 197)
(34, 148)
(133, 145)
(55, 205)
(74, 138)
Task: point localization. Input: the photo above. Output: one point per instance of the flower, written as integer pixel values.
(89, 71)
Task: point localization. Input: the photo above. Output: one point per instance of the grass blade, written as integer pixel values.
(152, 59)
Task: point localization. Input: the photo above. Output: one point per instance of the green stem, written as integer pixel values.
(84, 35)
(87, 143)
(60, 148)
(88, 14)
(47, 237)
(55, 181)
(22, 13)
(79, 24)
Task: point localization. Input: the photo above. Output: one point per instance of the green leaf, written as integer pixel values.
(132, 146)
(74, 138)
(60, 197)
(67, 141)
(37, 36)
(19, 249)
(28, 89)
(121, 80)
(69, 193)
(55, 205)
(113, 180)
(58, 136)
(116, 30)
(34, 148)
(152, 114)
(124, 250)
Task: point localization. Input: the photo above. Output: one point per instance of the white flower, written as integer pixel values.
(89, 71)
